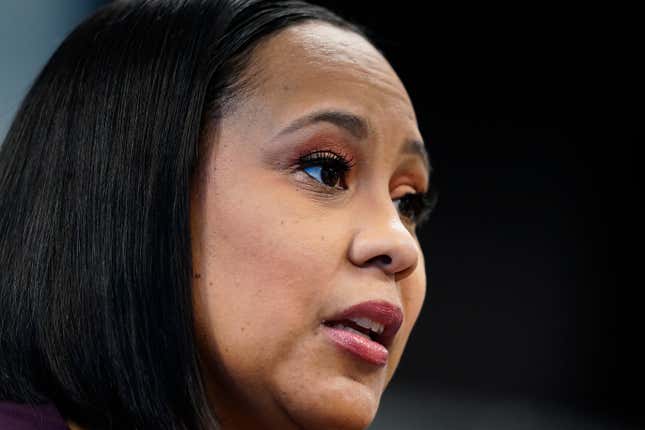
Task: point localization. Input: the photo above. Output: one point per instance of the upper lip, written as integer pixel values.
(379, 311)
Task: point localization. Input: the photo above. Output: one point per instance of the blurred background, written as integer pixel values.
(531, 114)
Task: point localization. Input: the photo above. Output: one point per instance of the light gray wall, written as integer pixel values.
(30, 31)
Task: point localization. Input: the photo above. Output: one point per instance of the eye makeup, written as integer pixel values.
(417, 207)
(329, 168)
(320, 162)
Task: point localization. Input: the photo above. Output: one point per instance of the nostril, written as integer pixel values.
(383, 259)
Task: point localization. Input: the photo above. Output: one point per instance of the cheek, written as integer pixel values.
(413, 292)
(413, 295)
(263, 271)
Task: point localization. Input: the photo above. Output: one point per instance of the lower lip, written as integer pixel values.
(361, 347)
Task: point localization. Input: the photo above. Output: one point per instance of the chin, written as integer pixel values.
(339, 405)
(341, 418)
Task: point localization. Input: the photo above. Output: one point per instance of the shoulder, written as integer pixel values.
(18, 416)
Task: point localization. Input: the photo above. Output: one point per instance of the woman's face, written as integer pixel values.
(286, 237)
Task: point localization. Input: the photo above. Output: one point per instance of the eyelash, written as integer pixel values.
(416, 207)
(421, 205)
(340, 163)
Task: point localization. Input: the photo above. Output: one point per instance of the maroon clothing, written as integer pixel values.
(18, 416)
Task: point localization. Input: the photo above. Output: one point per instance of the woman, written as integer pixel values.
(208, 214)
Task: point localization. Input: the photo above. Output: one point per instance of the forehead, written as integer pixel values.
(317, 64)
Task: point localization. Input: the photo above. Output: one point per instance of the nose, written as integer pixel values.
(382, 240)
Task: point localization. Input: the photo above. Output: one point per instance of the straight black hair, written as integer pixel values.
(95, 171)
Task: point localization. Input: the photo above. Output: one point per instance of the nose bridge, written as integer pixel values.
(381, 239)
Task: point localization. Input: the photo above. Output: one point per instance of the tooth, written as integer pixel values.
(363, 322)
(378, 328)
(369, 324)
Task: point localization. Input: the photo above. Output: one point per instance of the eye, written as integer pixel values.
(417, 207)
(327, 168)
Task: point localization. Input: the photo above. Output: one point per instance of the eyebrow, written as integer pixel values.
(354, 124)
(358, 127)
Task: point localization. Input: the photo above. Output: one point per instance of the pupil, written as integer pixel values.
(329, 177)
(406, 209)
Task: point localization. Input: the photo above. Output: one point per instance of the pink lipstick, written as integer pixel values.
(365, 330)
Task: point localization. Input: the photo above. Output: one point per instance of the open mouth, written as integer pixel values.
(361, 326)
(366, 330)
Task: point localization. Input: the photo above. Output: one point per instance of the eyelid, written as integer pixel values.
(328, 156)
(408, 188)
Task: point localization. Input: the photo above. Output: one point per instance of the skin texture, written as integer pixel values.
(276, 252)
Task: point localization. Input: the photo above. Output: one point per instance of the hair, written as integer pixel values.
(95, 176)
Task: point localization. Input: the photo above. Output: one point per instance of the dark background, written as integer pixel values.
(531, 114)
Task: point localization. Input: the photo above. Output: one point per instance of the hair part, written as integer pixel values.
(95, 176)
